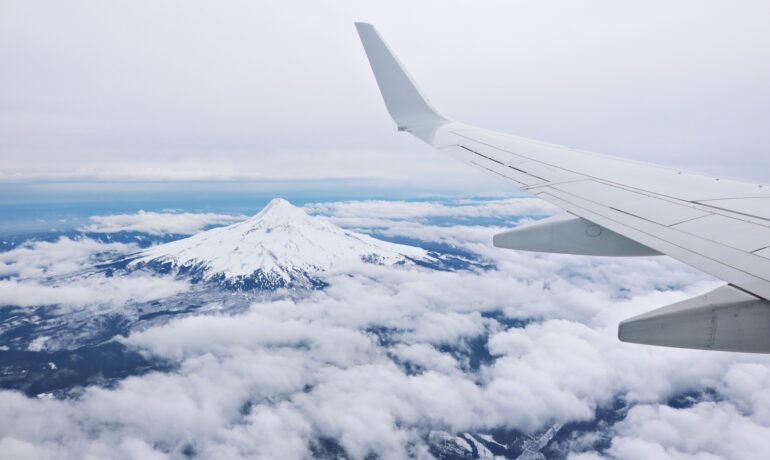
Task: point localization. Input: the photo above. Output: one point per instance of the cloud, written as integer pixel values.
(159, 223)
(380, 209)
(384, 355)
(60, 275)
(40, 259)
(454, 219)
(425, 356)
(91, 291)
(708, 430)
(745, 385)
(557, 370)
(61, 272)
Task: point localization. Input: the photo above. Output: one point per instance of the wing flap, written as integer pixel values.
(758, 208)
(655, 209)
(731, 232)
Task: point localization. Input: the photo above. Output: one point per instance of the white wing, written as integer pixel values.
(619, 208)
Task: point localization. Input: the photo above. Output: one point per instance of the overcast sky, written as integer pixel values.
(192, 89)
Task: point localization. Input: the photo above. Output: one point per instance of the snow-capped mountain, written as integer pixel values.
(282, 246)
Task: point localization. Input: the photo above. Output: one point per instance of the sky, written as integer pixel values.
(192, 90)
(256, 99)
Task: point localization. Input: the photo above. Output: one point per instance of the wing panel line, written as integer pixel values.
(760, 287)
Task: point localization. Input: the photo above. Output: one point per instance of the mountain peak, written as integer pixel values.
(279, 208)
(281, 246)
(277, 204)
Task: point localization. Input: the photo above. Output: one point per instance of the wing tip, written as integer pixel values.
(408, 107)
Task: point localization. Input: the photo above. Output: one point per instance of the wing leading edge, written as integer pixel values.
(621, 208)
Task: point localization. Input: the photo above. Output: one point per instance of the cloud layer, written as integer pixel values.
(159, 223)
(283, 89)
(383, 356)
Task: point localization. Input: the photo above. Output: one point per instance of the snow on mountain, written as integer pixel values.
(281, 246)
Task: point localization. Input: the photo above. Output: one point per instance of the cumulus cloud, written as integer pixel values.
(409, 216)
(43, 258)
(90, 291)
(61, 276)
(159, 223)
(61, 272)
(422, 209)
(384, 355)
(708, 430)
(309, 368)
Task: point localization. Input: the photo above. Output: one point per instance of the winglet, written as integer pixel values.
(407, 106)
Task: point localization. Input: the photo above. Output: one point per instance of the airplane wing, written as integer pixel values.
(618, 207)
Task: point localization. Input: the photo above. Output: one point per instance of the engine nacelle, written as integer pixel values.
(567, 234)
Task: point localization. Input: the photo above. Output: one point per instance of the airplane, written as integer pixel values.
(617, 207)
